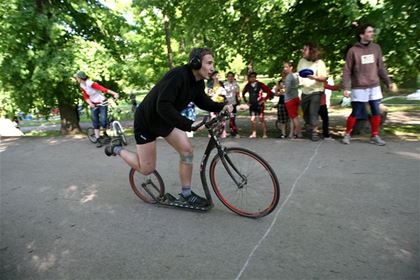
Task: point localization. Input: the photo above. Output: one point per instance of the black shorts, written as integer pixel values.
(256, 109)
(144, 133)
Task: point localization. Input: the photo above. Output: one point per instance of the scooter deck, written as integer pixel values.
(170, 201)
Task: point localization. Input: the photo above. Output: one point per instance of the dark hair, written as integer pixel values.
(361, 29)
(214, 73)
(199, 52)
(252, 74)
(230, 73)
(314, 51)
(289, 62)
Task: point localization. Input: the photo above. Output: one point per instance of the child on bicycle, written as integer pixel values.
(160, 115)
(92, 94)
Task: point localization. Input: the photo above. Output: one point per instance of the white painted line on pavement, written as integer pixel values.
(278, 212)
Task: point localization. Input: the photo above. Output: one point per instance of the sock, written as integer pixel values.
(186, 191)
(117, 150)
(351, 121)
(375, 122)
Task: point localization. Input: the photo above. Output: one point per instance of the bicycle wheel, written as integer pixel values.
(244, 182)
(120, 133)
(91, 134)
(147, 188)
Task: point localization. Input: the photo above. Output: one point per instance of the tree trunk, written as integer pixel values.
(168, 42)
(69, 119)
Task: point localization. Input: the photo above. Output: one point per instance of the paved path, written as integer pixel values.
(346, 212)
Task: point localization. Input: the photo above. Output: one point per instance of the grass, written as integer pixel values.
(401, 101)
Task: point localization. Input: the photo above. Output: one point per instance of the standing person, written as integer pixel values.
(255, 90)
(217, 93)
(363, 69)
(133, 102)
(282, 115)
(323, 109)
(291, 97)
(233, 98)
(312, 87)
(160, 115)
(92, 94)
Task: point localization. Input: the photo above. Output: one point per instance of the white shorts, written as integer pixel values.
(366, 94)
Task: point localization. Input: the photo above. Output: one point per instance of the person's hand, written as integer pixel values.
(91, 105)
(228, 108)
(116, 95)
(392, 87)
(193, 126)
(346, 93)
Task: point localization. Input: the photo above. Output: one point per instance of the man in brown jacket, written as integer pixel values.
(363, 69)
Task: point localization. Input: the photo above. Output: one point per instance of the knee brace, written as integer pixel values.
(374, 107)
(186, 159)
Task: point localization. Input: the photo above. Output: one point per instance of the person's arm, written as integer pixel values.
(105, 90)
(87, 99)
(348, 67)
(244, 91)
(267, 90)
(167, 96)
(382, 73)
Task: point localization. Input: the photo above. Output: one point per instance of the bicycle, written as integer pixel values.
(112, 124)
(243, 181)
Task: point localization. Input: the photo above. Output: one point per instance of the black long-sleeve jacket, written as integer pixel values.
(161, 107)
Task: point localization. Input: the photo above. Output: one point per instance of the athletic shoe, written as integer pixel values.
(314, 137)
(98, 143)
(109, 150)
(329, 139)
(192, 200)
(377, 141)
(346, 139)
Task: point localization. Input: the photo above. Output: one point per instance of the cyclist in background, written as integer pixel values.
(93, 95)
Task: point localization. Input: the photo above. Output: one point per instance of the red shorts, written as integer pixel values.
(292, 107)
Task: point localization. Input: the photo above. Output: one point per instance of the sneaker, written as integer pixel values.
(109, 150)
(346, 139)
(193, 200)
(377, 141)
(265, 136)
(314, 137)
(329, 138)
(98, 143)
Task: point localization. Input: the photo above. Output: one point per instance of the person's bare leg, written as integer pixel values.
(292, 129)
(264, 126)
(296, 126)
(253, 127)
(144, 160)
(97, 133)
(179, 140)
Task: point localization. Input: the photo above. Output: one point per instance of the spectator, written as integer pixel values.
(362, 71)
(291, 97)
(133, 102)
(255, 90)
(282, 116)
(233, 98)
(323, 109)
(312, 88)
(218, 94)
